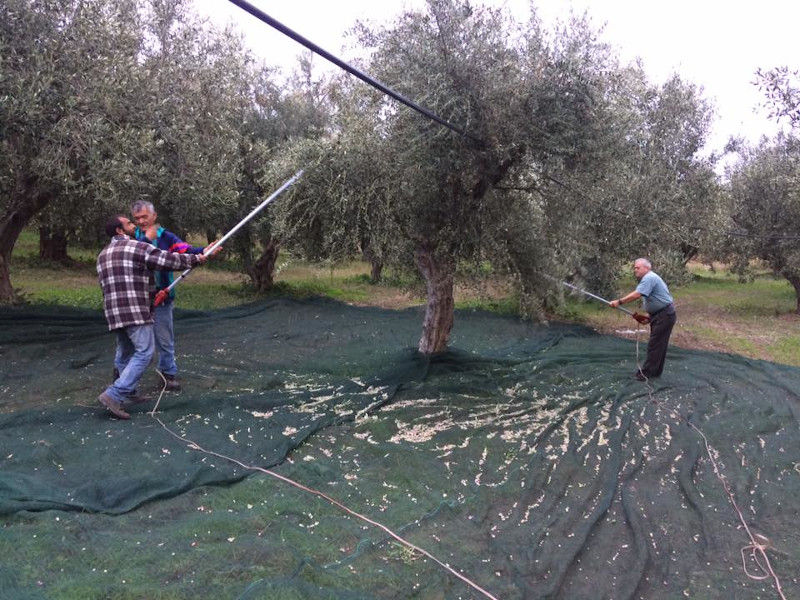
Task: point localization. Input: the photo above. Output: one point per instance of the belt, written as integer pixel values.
(662, 309)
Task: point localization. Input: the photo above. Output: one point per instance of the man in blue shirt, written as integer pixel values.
(149, 231)
(657, 302)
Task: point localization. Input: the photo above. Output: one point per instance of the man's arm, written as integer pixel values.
(634, 295)
(159, 260)
(176, 244)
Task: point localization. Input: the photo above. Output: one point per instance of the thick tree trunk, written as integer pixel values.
(376, 268)
(53, 244)
(25, 204)
(6, 291)
(438, 275)
(795, 281)
(376, 265)
(689, 252)
(262, 272)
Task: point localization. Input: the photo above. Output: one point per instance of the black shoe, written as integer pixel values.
(173, 385)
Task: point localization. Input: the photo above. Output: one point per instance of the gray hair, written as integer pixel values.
(142, 205)
(644, 261)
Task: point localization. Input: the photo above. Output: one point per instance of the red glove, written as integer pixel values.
(160, 297)
(643, 319)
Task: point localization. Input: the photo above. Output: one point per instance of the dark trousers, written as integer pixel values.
(661, 325)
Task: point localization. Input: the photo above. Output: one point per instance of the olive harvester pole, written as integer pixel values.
(163, 294)
(644, 319)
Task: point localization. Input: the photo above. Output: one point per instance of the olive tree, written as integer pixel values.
(423, 195)
(65, 67)
(765, 209)
(277, 115)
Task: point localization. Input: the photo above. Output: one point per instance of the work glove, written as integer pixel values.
(643, 319)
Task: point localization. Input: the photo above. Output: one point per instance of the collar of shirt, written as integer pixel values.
(142, 237)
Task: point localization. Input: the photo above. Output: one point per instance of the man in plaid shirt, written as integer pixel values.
(124, 268)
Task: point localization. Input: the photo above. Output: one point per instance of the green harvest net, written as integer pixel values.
(526, 458)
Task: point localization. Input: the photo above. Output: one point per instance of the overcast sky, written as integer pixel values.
(714, 43)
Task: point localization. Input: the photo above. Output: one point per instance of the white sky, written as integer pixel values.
(717, 44)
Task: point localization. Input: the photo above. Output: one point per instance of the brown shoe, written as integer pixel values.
(135, 398)
(173, 384)
(112, 405)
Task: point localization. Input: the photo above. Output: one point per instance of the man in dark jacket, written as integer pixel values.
(124, 268)
(149, 231)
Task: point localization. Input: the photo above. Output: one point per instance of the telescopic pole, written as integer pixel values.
(591, 295)
(163, 294)
(641, 318)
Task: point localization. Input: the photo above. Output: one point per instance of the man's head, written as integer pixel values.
(641, 267)
(144, 214)
(119, 225)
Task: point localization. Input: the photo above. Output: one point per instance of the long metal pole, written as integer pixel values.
(591, 295)
(162, 294)
(265, 18)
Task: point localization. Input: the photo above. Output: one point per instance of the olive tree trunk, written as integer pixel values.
(25, 204)
(438, 274)
(376, 268)
(53, 244)
(262, 271)
(795, 281)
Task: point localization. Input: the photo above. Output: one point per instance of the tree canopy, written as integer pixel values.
(546, 117)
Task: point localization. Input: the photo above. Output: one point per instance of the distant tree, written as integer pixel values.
(273, 114)
(765, 209)
(656, 195)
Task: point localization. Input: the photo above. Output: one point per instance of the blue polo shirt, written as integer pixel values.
(166, 240)
(654, 292)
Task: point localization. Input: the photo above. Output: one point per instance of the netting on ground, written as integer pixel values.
(526, 457)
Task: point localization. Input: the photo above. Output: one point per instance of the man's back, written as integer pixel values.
(124, 269)
(126, 282)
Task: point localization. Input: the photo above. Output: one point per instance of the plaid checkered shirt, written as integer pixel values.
(124, 269)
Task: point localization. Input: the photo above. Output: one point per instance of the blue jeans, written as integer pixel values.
(135, 348)
(165, 339)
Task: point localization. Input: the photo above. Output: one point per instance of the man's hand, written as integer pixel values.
(201, 258)
(614, 303)
(216, 251)
(643, 319)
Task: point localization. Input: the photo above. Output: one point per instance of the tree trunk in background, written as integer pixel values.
(376, 265)
(262, 272)
(6, 291)
(53, 244)
(25, 204)
(438, 275)
(375, 271)
(689, 252)
(795, 281)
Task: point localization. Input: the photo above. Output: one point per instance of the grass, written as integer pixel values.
(718, 312)
(715, 311)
